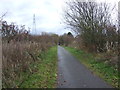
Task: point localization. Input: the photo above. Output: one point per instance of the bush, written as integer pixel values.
(20, 50)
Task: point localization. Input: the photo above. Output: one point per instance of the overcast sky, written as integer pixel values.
(48, 14)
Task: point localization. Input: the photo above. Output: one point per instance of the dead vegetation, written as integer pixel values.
(19, 51)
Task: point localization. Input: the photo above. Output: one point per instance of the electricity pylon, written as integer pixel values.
(34, 25)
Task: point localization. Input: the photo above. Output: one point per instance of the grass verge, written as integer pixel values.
(104, 71)
(45, 70)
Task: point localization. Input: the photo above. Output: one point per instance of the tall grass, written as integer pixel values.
(45, 71)
(17, 57)
(20, 50)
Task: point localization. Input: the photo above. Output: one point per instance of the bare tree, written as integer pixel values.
(1, 18)
(90, 20)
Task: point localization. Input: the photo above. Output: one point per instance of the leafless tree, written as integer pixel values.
(90, 20)
(1, 17)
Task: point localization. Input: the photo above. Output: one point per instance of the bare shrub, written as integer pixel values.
(20, 50)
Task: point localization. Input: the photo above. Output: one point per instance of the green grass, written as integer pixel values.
(104, 71)
(45, 71)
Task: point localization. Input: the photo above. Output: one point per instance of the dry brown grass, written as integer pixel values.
(20, 50)
(17, 57)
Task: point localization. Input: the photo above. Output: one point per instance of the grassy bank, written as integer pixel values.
(45, 70)
(106, 72)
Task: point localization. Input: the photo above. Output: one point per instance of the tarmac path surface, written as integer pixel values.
(73, 74)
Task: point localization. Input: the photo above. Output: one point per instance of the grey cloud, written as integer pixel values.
(46, 11)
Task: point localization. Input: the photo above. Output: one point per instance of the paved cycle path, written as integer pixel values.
(73, 74)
